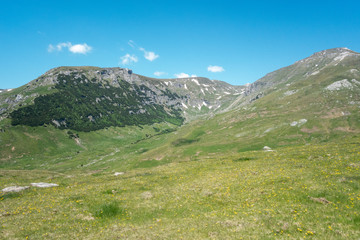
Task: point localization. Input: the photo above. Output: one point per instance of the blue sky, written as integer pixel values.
(234, 41)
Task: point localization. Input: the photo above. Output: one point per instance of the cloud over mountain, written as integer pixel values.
(77, 48)
(215, 69)
(128, 59)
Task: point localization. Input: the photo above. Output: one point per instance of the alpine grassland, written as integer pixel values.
(309, 191)
(131, 157)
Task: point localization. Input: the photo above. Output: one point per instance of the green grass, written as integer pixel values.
(108, 210)
(208, 179)
(249, 195)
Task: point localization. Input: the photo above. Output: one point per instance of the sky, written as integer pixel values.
(233, 41)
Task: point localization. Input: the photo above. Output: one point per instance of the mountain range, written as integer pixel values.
(105, 153)
(314, 99)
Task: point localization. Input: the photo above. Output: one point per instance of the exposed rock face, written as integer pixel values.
(305, 68)
(339, 85)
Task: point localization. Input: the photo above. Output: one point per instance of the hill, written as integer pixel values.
(137, 157)
(313, 100)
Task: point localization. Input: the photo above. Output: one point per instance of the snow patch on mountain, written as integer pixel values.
(195, 81)
(184, 105)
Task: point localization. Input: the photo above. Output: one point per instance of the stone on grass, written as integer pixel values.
(266, 148)
(14, 189)
(44, 185)
(118, 173)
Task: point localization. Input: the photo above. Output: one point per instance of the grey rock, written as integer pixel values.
(44, 185)
(14, 189)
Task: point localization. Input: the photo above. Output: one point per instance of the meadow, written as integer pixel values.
(294, 192)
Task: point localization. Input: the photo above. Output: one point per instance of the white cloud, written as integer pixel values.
(151, 56)
(181, 75)
(80, 48)
(51, 48)
(184, 75)
(77, 48)
(60, 46)
(131, 43)
(127, 59)
(215, 69)
(159, 73)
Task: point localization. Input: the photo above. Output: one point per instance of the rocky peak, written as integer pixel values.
(333, 53)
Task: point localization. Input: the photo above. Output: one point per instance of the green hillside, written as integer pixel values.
(200, 159)
(84, 105)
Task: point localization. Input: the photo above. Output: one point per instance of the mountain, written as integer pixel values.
(131, 156)
(90, 98)
(315, 99)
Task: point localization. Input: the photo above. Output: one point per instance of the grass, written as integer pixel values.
(208, 179)
(108, 210)
(249, 195)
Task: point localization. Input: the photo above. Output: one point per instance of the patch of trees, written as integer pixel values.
(86, 105)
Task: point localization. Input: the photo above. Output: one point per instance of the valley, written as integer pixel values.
(188, 152)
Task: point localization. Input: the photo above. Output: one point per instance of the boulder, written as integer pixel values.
(118, 173)
(14, 189)
(44, 185)
(267, 149)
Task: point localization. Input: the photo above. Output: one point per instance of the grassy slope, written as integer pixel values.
(250, 195)
(330, 115)
(208, 179)
(49, 148)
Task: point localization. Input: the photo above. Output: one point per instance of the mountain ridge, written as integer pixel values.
(208, 96)
(191, 98)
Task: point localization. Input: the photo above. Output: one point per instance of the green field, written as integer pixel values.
(310, 191)
(188, 172)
